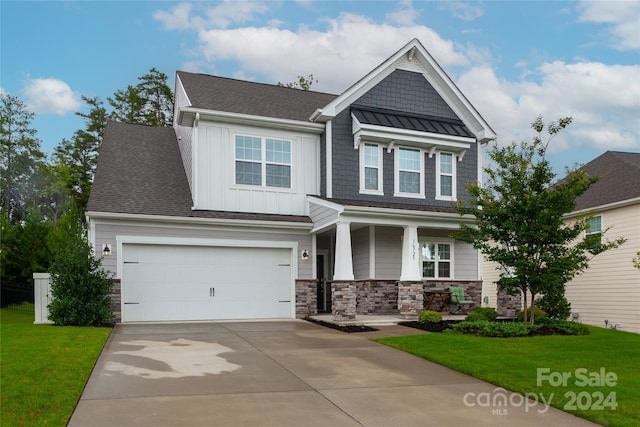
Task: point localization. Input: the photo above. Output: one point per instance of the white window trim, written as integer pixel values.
(263, 162)
(601, 232)
(439, 195)
(437, 241)
(363, 190)
(397, 192)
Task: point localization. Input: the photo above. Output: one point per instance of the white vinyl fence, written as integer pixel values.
(42, 298)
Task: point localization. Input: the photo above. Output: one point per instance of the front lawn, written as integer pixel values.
(43, 368)
(513, 363)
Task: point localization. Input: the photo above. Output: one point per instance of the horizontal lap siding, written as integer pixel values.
(107, 233)
(360, 250)
(388, 252)
(610, 288)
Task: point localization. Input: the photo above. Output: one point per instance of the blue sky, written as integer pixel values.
(513, 60)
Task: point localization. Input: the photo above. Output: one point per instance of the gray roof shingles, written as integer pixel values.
(620, 179)
(140, 171)
(256, 99)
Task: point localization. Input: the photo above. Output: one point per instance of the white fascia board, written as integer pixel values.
(248, 119)
(608, 206)
(180, 220)
(405, 214)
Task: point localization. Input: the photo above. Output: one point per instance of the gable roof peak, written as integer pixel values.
(413, 57)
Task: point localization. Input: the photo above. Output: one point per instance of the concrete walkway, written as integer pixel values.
(284, 373)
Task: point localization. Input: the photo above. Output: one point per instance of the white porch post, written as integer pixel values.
(410, 255)
(343, 265)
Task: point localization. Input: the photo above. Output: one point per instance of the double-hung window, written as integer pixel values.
(594, 231)
(264, 162)
(371, 169)
(437, 260)
(409, 172)
(445, 176)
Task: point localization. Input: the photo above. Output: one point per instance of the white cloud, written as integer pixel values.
(183, 16)
(406, 14)
(623, 18)
(50, 96)
(467, 11)
(604, 101)
(351, 40)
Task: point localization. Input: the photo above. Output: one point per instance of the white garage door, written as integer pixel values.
(164, 282)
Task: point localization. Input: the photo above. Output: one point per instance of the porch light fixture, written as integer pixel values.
(106, 249)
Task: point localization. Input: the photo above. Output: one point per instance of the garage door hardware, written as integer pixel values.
(285, 301)
(284, 265)
(131, 303)
(212, 292)
(131, 262)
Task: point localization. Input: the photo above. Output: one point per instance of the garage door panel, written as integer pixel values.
(162, 282)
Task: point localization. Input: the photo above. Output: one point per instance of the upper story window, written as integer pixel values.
(594, 231)
(437, 260)
(371, 169)
(264, 162)
(445, 176)
(409, 179)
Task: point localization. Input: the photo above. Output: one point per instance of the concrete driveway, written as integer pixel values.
(285, 373)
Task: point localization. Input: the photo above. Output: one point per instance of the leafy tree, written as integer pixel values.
(24, 247)
(20, 156)
(554, 303)
(157, 97)
(75, 159)
(79, 286)
(128, 106)
(302, 83)
(519, 218)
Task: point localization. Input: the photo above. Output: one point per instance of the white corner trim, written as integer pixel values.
(372, 251)
(328, 158)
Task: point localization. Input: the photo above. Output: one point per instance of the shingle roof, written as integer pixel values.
(230, 95)
(140, 171)
(620, 179)
(380, 117)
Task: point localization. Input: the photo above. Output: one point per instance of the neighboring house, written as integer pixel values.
(610, 288)
(271, 202)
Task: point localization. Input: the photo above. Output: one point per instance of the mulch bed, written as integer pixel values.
(343, 328)
(430, 327)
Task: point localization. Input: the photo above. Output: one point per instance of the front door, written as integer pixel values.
(322, 289)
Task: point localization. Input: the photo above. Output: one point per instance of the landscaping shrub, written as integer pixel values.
(555, 304)
(429, 316)
(79, 287)
(482, 313)
(484, 328)
(564, 326)
(537, 314)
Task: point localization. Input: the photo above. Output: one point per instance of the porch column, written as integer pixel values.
(343, 264)
(410, 255)
(343, 287)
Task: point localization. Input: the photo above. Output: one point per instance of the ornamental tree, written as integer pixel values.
(520, 218)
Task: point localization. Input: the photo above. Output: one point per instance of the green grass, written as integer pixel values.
(43, 368)
(512, 363)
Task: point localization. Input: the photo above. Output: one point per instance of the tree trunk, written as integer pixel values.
(532, 310)
(525, 316)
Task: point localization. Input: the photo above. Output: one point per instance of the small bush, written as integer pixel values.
(484, 328)
(482, 313)
(564, 326)
(429, 316)
(537, 314)
(79, 287)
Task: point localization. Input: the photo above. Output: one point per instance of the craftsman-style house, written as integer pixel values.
(270, 202)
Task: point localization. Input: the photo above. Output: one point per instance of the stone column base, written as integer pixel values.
(410, 299)
(343, 300)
